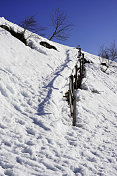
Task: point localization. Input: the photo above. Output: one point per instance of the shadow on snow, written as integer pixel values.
(50, 87)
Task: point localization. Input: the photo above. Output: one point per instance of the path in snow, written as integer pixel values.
(55, 81)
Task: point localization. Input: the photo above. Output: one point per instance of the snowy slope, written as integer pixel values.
(36, 133)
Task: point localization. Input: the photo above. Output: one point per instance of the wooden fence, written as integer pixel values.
(75, 80)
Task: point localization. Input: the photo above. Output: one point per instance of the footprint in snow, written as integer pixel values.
(30, 131)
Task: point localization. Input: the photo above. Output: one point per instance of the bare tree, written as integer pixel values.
(108, 52)
(104, 58)
(60, 25)
(29, 23)
(107, 55)
(103, 52)
(112, 51)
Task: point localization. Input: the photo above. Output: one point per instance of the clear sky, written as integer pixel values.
(95, 21)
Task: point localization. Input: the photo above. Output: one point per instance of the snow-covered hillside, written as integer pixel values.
(36, 133)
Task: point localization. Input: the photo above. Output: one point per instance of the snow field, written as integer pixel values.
(36, 133)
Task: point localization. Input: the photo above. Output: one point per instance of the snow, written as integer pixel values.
(36, 133)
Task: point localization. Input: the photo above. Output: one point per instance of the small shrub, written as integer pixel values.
(18, 35)
(47, 45)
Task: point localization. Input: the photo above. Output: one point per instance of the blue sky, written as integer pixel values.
(95, 21)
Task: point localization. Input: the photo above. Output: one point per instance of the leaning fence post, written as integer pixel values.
(71, 90)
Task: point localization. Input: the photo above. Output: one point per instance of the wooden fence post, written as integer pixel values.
(74, 110)
(72, 100)
(81, 64)
(76, 77)
(80, 76)
(79, 51)
(75, 83)
(71, 90)
(82, 59)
